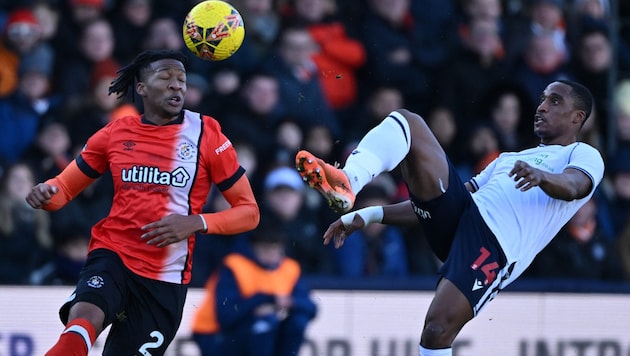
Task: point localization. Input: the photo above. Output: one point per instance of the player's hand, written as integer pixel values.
(170, 229)
(338, 232)
(526, 176)
(40, 195)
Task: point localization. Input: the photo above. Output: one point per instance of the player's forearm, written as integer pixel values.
(232, 221)
(565, 186)
(243, 215)
(70, 182)
(399, 214)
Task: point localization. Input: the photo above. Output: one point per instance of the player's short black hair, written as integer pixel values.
(581, 95)
(128, 74)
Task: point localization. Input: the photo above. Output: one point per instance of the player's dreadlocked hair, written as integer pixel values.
(129, 74)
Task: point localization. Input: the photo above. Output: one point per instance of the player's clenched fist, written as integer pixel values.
(40, 195)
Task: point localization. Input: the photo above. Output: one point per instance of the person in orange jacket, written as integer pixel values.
(256, 303)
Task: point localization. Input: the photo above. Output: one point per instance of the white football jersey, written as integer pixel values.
(525, 222)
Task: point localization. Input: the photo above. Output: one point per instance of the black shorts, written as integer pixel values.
(144, 313)
(473, 259)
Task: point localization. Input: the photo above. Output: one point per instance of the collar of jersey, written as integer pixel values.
(177, 121)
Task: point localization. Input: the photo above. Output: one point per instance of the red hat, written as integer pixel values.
(21, 16)
(102, 70)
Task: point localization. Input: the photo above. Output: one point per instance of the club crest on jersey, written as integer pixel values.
(95, 282)
(186, 150)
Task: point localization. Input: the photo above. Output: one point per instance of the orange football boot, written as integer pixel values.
(327, 179)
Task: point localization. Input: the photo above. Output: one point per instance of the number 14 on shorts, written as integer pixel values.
(488, 268)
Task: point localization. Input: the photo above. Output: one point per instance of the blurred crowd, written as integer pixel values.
(314, 74)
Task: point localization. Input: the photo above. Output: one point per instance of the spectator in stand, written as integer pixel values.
(442, 123)
(619, 171)
(22, 113)
(547, 18)
(257, 303)
(582, 13)
(621, 110)
(130, 21)
(21, 41)
(76, 14)
(377, 250)
(471, 71)
(507, 110)
(592, 63)
(482, 148)
(289, 138)
(405, 43)
(580, 251)
(263, 24)
(338, 57)
(48, 16)
(257, 112)
(97, 107)
(25, 238)
(52, 150)
(196, 98)
(542, 62)
(300, 87)
(380, 101)
(284, 201)
(70, 250)
(96, 45)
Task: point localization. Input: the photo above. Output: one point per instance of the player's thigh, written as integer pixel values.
(425, 169)
(449, 311)
(150, 320)
(101, 285)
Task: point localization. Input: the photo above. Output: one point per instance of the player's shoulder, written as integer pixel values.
(208, 121)
(585, 148)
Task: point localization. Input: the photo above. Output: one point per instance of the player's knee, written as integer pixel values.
(435, 336)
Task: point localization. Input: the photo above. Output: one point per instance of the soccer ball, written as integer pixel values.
(213, 30)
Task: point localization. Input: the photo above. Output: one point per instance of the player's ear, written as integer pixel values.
(141, 89)
(579, 117)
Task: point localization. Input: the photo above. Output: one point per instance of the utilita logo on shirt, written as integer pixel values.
(141, 174)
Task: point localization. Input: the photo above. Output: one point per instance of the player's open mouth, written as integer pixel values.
(538, 119)
(175, 100)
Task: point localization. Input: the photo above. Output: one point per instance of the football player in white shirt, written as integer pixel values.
(487, 230)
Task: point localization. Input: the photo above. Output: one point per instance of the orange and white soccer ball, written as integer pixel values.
(213, 30)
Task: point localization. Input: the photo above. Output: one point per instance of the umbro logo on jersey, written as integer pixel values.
(128, 145)
(477, 285)
(142, 174)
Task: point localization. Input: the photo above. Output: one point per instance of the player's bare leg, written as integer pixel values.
(448, 313)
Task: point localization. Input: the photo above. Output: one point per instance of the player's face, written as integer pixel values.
(556, 120)
(164, 89)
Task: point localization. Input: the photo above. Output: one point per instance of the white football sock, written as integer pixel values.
(380, 150)
(438, 352)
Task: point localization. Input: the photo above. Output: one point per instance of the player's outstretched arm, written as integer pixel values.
(394, 214)
(569, 185)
